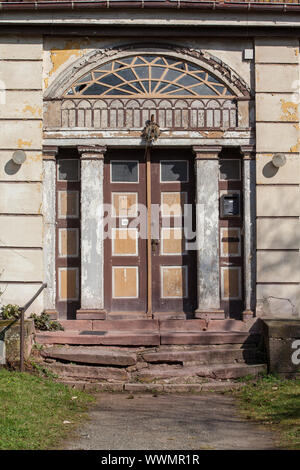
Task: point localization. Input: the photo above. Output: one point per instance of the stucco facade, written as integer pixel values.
(38, 63)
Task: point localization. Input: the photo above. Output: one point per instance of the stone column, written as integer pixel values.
(92, 259)
(207, 231)
(49, 220)
(249, 183)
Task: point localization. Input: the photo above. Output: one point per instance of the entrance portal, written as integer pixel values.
(149, 229)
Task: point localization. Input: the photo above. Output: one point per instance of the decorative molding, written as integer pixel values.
(207, 152)
(50, 152)
(96, 57)
(248, 152)
(91, 152)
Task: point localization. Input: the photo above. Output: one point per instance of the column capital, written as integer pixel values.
(50, 152)
(89, 152)
(207, 152)
(248, 152)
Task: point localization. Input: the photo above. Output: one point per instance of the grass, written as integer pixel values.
(274, 402)
(33, 409)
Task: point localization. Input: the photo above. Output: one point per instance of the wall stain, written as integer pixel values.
(24, 143)
(33, 110)
(60, 55)
(290, 111)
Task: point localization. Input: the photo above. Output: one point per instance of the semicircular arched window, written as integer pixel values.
(148, 76)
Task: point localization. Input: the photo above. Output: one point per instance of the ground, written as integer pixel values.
(166, 422)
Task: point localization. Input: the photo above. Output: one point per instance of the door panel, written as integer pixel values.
(231, 234)
(68, 233)
(173, 265)
(125, 270)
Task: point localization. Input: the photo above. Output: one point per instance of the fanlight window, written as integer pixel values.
(149, 77)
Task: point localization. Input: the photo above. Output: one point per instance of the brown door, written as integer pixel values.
(173, 253)
(125, 269)
(149, 272)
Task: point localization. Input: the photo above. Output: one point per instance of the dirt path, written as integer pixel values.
(166, 422)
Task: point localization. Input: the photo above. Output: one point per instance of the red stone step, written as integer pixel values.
(117, 338)
(204, 356)
(228, 371)
(110, 325)
(89, 372)
(91, 355)
(207, 337)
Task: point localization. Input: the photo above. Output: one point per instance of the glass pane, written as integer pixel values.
(124, 172)
(68, 170)
(95, 89)
(230, 170)
(174, 171)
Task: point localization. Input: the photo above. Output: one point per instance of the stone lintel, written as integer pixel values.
(210, 152)
(91, 152)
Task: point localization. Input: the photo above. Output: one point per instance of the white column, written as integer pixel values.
(249, 182)
(92, 259)
(49, 220)
(207, 229)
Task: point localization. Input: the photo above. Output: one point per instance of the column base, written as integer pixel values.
(90, 314)
(248, 315)
(53, 314)
(210, 314)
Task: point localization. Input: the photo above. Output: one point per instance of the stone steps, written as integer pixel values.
(144, 338)
(209, 386)
(222, 372)
(125, 358)
(155, 373)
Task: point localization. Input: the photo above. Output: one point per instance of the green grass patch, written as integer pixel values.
(274, 402)
(33, 409)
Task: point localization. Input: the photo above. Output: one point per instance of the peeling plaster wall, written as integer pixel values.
(21, 227)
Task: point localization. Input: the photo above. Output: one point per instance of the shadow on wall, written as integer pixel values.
(11, 168)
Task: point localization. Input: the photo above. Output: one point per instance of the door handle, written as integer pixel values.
(154, 244)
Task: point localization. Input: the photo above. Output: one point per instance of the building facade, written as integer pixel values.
(81, 85)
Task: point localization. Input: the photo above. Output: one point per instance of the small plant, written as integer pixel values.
(43, 322)
(10, 312)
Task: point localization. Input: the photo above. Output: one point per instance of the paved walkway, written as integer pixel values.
(168, 422)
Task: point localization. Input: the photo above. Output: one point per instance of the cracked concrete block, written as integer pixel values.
(277, 107)
(276, 266)
(278, 201)
(289, 292)
(276, 50)
(22, 105)
(21, 47)
(278, 234)
(24, 135)
(21, 198)
(272, 78)
(20, 294)
(30, 170)
(25, 231)
(277, 137)
(21, 265)
(267, 173)
(22, 75)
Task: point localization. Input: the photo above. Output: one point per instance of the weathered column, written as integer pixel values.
(49, 219)
(207, 231)
(92, 299)
(249, 182)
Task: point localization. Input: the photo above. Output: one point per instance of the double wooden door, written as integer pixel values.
(149, 229)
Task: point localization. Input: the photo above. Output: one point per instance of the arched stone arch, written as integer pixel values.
(123, 112)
